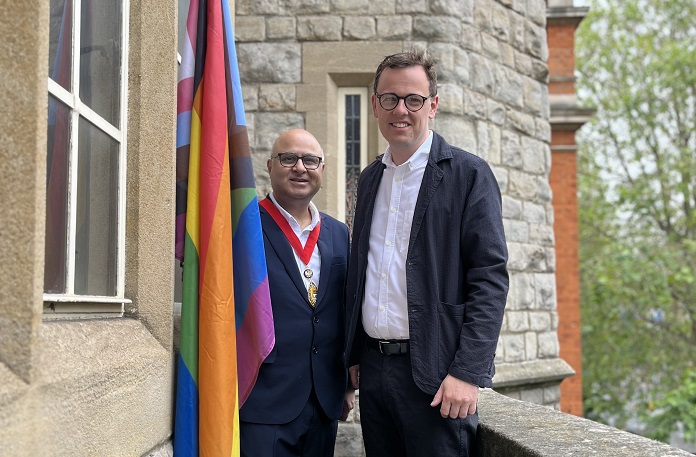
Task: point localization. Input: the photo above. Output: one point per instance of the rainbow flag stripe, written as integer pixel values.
(226, 317)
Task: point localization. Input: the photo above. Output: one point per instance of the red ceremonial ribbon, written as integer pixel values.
(305, 253)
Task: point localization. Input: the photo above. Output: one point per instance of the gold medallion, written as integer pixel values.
(312, 293)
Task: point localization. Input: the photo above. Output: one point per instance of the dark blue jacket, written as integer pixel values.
(456, 272)
(308, 350)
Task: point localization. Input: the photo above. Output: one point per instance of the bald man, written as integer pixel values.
(302, 389)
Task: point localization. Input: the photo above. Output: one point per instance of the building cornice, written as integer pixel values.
(570, 119)
(566, 114)
(566, 15)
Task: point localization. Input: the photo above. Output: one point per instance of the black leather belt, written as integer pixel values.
(388, 347)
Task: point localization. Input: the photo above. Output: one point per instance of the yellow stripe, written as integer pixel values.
(194, 181)
(235, 430)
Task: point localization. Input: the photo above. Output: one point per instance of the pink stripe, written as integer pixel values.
(255, 340)
(184, 95)
(192, 22)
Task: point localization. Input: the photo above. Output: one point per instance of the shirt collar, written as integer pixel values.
(418, 159)
(291, 219)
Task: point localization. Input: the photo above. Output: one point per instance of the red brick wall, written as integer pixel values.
(561, 41)
(564, 185)
(563, 180)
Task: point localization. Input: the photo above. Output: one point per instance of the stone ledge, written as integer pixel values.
(97, 382)
(11, 387)
(16, 415)
(535, 372)
(162, 450)
(512, 427)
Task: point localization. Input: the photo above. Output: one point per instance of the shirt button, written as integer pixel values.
(381, 308)
(384, 276)
(393, 210)
(389, 243)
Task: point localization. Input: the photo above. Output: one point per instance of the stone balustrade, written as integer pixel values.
(514, 428)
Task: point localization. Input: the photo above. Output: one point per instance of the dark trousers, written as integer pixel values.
(396, 416)
(311, 434)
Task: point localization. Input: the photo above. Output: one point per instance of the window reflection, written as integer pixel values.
(100, 58)
(60, 42)
(97, 212)
(58, 146)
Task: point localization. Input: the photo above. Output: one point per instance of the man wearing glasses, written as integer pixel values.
(427, 280)
(301, 390)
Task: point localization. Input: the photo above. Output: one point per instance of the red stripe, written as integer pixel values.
(305, 253)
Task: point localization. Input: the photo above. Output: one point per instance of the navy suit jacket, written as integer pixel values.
(309, 342)
(456, 273)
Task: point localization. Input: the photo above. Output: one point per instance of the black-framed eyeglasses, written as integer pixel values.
(289, 159)
(413, 102)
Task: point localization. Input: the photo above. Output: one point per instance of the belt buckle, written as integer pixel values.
(380, 343)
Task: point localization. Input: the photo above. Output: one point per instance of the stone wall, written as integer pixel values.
(492, 66)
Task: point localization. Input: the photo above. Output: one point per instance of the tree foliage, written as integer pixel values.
(636, 63)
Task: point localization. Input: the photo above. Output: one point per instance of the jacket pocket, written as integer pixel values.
(450, 321)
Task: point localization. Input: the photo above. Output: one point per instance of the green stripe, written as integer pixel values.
(240, 200)
(188, 335)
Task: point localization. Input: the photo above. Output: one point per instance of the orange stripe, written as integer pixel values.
(217, 355)
(217, 339)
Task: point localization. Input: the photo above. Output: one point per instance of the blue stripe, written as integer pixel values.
(183, 129)
(186, 418)
(249, 259)
(234, 67)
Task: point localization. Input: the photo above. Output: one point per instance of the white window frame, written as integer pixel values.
(341, 116)
(69, 305)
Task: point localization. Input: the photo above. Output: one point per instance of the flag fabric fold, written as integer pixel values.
(226, 318)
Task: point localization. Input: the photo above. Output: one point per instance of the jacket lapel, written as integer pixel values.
(372, 184)
(431, 179)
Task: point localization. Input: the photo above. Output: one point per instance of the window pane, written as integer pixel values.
(352, 135)
(183, 16)
(58, 152)
(97, 212)
(100, 58)
(60, 42)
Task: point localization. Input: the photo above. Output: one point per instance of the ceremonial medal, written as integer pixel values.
(304, 253)
(312, 292)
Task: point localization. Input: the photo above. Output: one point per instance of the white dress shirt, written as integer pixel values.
(385, 312)
(303, 235)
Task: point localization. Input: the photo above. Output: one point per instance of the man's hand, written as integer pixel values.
(354, 372)
(348, 403)
(456, 398)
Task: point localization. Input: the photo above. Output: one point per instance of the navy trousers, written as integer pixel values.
(397, 419)
(311, 434)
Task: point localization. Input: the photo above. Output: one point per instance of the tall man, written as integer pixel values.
(300, 392)
(427, 280)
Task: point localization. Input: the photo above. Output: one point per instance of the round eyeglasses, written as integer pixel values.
(413, 102)
(289, 159)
